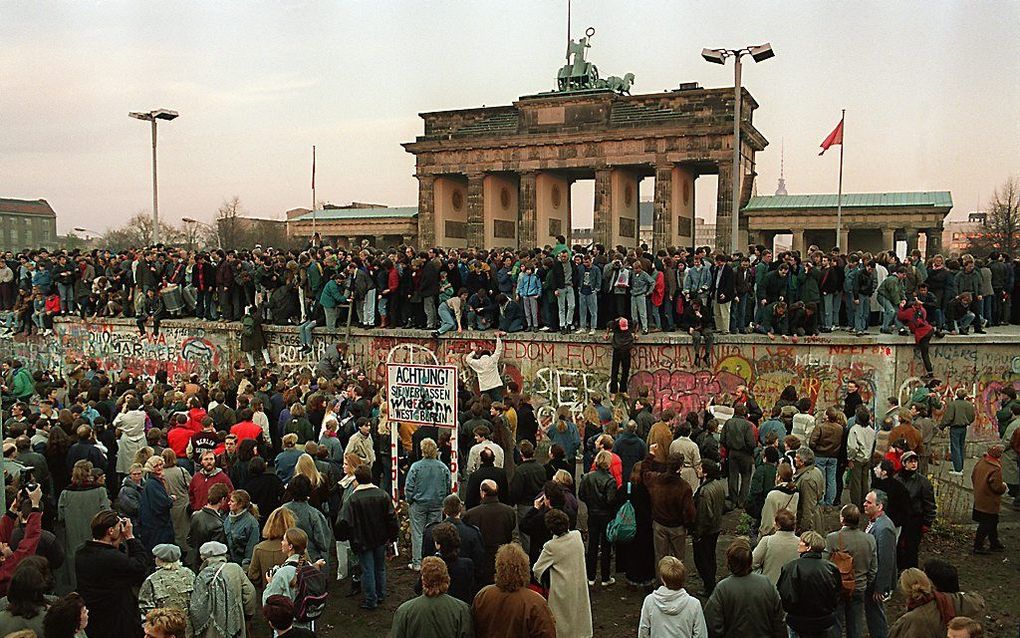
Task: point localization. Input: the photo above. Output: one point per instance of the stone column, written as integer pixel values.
(527, 231)
(888, 238)
(934, 244)
(911, 238)
(662, 216)
(844, 239)
(426, 212)
(603, 226)
(798, 241)
(476, 210)
(724, 207)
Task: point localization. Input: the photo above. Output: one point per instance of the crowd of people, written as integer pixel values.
(556, 288)
(222, 503)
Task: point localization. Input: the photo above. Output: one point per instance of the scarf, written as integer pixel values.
(944, 604)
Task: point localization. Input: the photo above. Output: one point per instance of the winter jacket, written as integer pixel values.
(709, 501)
(826, 439)
(810, 588)
(367, 519)
(107, 578)
(598, 491)
(671, 613)
(314, 524)
(529, 285)
(921, 497)
(745, 606)
(243, 534)
(671, 497)
(428, 483)
(988, 485)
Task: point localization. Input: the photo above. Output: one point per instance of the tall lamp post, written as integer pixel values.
(718, 56)
(216, 231)
(151, 117)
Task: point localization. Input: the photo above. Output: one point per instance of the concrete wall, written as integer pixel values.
(563, 370)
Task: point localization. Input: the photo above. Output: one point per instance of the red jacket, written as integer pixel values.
(246, 430)
(198, 490)
(916, 320)
(195, 416)
(178, 439)
(27, 546)
(616, 469)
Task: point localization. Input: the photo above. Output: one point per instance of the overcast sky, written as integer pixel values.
(931, 91)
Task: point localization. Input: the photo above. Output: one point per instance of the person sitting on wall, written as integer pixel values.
(511, 315)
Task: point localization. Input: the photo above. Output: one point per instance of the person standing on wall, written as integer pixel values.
(959, 416)
(623, 337)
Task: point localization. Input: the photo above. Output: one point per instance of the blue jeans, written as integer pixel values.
(666, 314)
(305, 332)
(66, 292)
(565, 303)
(832, 303)
(447, 321)
(966, 320)
(531, 311)
(957, 444)
(861, 312)
(888, 314)
(589, 307)
(874, 614)
(738, 313)
(639, 311)
(850, 616)
(373, 574)
(367, 309)
(653, 314)
(421, 515)
(827, 465)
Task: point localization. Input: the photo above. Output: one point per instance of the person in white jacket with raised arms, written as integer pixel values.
(486, 366)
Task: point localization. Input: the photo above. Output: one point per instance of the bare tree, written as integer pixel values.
(228, 226)
(1001, 229)
(138, 232)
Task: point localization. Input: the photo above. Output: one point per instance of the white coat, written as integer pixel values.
(563, 557)
(132, 438)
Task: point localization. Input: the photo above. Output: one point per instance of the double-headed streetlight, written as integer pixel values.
(718, 56)
(216, 231)
(151, 117)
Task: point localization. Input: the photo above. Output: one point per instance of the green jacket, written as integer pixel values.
(332, 295)
(1005, 414)
(441, 616)
(22, 385)
(891, 290)
(808, 282)
(958, 412)
(772, 323)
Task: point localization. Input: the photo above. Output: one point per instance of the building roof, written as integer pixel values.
(26, 207)
(402, 212)
(933, 199)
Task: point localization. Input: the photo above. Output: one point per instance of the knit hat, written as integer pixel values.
(910, 454)
(166, 553)
(212, 548)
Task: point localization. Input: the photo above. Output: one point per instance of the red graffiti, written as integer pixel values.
(684, 391)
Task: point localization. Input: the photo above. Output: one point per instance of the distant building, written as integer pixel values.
(27, 224)
(383, 226)
(959, 235)
(704, 233)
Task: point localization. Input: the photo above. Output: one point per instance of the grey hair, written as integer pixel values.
(631, 425)
(881, 498)
(806, 456)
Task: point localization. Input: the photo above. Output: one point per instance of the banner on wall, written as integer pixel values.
(420, 395)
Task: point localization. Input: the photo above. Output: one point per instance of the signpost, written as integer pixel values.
(421, 395)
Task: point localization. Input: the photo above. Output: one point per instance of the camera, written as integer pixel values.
(28, 482)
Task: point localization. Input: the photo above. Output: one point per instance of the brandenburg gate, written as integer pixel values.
(501, 176)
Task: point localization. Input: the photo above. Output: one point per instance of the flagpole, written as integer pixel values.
(313, 191)
(839, 193)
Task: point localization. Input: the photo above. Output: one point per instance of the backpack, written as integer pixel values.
(248, 326)
(623, 527)
(309, 591)
(844, 561)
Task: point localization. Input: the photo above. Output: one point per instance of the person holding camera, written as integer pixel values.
(9, 559)
(108, 576)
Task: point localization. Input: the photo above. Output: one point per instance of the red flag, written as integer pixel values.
(313, 164)
(835, 137)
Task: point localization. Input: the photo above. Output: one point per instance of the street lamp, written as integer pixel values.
(191, 220)
(151, 117)
(759, 53)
